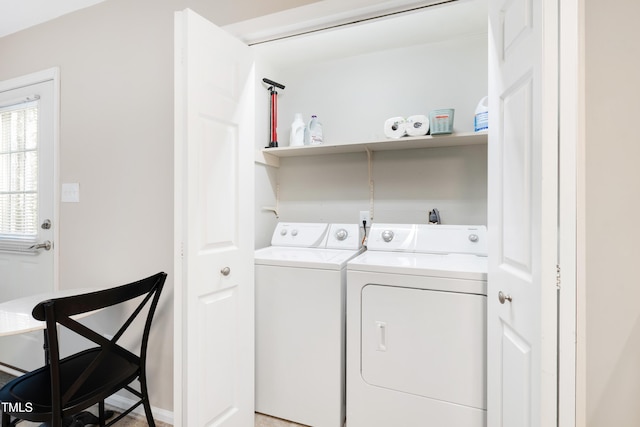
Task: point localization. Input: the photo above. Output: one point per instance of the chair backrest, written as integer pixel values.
(61, 310)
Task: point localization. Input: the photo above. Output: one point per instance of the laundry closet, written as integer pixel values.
(432, 57)
(354, 78)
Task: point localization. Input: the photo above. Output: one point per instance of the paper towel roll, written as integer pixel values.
(395, 127)
(417, 125)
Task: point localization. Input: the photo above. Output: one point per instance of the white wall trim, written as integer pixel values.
(30, 79)
(571, 122)
(179, 333)
(123, 403)
(9, 370)
(580, 152)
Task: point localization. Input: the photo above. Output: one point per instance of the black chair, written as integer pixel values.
(65, 387)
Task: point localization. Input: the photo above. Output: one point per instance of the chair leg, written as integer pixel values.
(147, 412)
(145, 401)
(101, 413)
(6, 420)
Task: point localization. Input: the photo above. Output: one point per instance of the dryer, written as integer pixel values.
(416, 327)
(300, 322)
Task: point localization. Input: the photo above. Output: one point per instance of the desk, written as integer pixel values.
(15, 315)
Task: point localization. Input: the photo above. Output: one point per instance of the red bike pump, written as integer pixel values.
(273, 125)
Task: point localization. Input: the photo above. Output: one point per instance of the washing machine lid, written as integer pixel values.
(454, 266)
(326, 259)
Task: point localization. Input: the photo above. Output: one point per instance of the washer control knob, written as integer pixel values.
(283, 232)
(474, 238)
(294, 233)
(341, 234)
(387, 235)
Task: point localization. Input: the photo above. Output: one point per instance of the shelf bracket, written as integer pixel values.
(267, 159)
(271, 209)
(275, 209)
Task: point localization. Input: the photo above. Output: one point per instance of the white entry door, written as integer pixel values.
(28, 111)
(214, 290)
(523, 207)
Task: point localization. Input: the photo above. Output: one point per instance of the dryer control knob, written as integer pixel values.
(294, 233)
(283, 232)
(473, 237)
(341, 234)
(387, 235)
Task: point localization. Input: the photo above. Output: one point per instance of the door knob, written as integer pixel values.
(46, 245)
(225, 271)
(502, 297)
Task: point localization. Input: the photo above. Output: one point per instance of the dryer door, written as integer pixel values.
(426, 343)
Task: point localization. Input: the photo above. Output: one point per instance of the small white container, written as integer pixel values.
(297, 131)
(315, 131)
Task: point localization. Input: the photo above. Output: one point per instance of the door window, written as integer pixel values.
(19, 174)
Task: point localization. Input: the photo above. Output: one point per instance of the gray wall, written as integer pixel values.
(612, 327)
(116, 140)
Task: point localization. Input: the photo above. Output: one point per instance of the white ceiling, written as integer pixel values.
(16, 15)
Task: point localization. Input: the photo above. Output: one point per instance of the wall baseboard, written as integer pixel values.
(11, 370)
(123, 403)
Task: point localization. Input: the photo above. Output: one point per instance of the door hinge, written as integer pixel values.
(558, 277)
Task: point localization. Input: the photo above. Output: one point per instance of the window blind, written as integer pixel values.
(19, 175)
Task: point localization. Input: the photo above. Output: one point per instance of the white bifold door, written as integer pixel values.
(213, 292)
(523, 212)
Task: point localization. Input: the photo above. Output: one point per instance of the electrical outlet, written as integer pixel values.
(364, 216)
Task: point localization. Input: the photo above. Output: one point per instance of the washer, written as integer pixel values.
(416, 327)
(300, 322)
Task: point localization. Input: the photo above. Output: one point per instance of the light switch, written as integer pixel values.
(71, 192)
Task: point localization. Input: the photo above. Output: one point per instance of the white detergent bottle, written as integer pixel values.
(315, 131)
(481, 120)
(297, 131)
